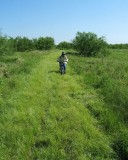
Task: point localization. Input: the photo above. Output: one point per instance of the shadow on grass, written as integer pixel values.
(54, 71)
(41, 144)
(8, 59)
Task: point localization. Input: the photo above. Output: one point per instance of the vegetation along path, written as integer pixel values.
(48, 117)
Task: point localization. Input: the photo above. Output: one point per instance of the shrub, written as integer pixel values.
(64, 45)
(45, 43)
(23, 44)
(6, 45)
(89, 44)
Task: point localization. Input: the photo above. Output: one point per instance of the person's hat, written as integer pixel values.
(63, 53)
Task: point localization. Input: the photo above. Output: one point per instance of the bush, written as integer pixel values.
(88, 44)
(45, 43)
(6, 45)
(64, 45)
(23, 44)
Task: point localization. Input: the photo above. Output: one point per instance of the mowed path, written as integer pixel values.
(50, 119)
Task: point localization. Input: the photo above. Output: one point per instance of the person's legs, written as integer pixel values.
(59, 65)
(64, 68)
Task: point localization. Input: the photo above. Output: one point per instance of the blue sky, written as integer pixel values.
(62, 19)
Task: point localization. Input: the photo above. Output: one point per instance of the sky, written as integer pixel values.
(62, 19)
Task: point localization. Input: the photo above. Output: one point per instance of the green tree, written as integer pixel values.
(45, 43)
(23, 44)
(89, 44)
(35, 43)
(6, 45)
(118, 46)
(64, 45)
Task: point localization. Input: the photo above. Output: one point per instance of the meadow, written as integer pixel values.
(81, 115)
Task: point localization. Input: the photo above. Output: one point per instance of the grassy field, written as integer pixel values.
(81, 115)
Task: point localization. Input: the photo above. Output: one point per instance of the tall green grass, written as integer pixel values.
(45, 115)
(108, 77)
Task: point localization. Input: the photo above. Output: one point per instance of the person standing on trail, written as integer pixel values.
(63, 59)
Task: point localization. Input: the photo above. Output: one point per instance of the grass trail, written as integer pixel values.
(47, 118)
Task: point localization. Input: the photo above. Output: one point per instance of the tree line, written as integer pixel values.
(118, 46)
(21, 44)
(85, 43)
